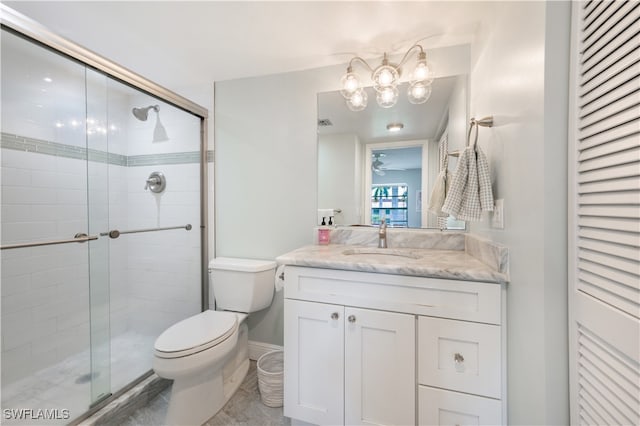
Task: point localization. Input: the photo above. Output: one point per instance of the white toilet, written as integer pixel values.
(207, 355)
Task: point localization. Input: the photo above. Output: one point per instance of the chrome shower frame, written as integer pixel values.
(31, 30)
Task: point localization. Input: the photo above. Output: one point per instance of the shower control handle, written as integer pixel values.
(151, 181)
(156, 182)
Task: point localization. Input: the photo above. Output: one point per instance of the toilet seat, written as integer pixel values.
(196, 334)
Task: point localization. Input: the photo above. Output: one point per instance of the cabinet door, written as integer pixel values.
(380, 378)
(313, 362)
(439, 407)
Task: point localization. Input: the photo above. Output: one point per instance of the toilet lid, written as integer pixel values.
(196, 333)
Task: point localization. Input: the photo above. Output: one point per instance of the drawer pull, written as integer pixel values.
(352, 318)
(458, 358)
(335, 316)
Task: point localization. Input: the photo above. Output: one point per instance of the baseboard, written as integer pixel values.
(257, 349)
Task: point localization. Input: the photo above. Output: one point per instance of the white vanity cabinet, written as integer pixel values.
(346, 365)
(368, 348)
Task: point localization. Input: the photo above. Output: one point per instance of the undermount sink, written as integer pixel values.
(368, 251)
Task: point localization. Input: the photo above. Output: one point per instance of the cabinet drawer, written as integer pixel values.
(442, 407)
(460, 356)
(466, 300)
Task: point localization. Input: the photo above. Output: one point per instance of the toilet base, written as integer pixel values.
(192, 403)
(195, 400)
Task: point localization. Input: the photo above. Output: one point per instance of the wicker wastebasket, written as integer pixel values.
(271, 378)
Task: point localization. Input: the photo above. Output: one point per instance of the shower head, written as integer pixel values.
(159, 132)
(143, 113)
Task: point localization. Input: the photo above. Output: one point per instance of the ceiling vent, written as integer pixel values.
(323, 122)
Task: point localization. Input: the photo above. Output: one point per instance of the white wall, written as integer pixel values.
(458, 120)
(340, 176)
(266, 174)
(266, 166)
(519, 75)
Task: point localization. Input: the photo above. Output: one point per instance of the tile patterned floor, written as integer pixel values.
(243, 409)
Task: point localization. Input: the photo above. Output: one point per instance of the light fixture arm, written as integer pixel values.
(358, 58)
(406, 55)
(385, 59)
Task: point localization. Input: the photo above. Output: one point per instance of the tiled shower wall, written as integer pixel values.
(45, 315)
(154, 278)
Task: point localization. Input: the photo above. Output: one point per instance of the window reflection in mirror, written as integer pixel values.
(390, 201)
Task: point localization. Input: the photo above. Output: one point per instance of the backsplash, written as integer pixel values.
(492, 254)
(410, 238)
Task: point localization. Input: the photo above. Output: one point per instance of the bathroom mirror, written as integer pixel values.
(367, 171)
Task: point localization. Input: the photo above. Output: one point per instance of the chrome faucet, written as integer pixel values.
(382, 234)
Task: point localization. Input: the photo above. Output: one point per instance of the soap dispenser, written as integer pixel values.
(323, 233)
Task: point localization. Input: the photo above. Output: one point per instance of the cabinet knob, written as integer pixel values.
(335, 316)
(458, 358)
(352, 318)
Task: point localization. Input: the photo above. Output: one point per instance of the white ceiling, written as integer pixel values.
(186, 46)
(421, 121)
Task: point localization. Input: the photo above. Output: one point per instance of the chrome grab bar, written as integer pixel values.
(114, 233)
(79, 238)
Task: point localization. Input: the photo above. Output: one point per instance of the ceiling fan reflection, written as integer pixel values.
(379, 167)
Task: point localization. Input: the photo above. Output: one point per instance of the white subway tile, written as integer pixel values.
(71, 196)
(16, 176)
(44, 179)
(16, 213)
(27, 160)
(27, 195)
(16, 328)
(28, 231)
(16, 363)
(16, 284)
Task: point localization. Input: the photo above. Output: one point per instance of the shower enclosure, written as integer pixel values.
(98, 258)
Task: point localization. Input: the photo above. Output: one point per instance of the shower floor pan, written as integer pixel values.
(67, 385)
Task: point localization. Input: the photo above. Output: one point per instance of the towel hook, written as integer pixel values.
(484, 122)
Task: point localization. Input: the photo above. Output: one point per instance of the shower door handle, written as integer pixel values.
(114, 233)
(78, 238)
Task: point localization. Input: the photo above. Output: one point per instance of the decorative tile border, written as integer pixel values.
(154, 159)
(22, 143)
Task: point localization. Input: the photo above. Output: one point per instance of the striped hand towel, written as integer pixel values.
(469, 192)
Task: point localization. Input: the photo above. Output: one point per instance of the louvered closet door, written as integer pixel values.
(604, 272)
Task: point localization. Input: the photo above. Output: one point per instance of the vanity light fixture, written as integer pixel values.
(395, 127)
(385, 79)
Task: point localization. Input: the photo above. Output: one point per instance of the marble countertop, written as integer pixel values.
(456, 264)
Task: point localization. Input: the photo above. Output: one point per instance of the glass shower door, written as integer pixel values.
(46, 310)
(79, 319)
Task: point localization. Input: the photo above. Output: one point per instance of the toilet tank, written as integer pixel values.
(242, 285)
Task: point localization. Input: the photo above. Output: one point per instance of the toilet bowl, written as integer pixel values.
(206, 355)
